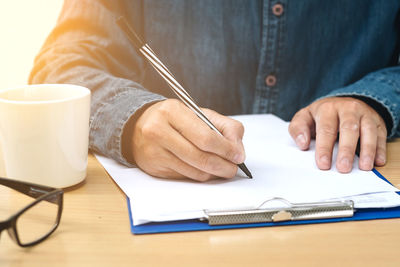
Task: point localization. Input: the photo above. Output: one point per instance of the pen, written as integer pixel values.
(148, 53)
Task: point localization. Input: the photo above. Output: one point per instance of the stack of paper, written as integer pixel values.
(279, 169)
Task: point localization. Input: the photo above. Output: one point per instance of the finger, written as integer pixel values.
(349, 131)
(301, 127)
(230, 128)
(178, 169)
(368, 143)
(170, 167)
(380, 158)
(201, 160)
(156, 160)
(326, 124)
(203, 137)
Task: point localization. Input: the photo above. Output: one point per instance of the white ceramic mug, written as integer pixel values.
(44, 133)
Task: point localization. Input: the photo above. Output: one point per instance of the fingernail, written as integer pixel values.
(367, 163)
(380, 159)
(345, 164)
(324, 162)
(301, 141)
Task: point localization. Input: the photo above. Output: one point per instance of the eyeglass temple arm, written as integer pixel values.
(32, 190)
(4, 225)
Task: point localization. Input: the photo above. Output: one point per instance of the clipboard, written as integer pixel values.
(304, 213)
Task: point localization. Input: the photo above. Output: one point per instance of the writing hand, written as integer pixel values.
(170, 141)
(354, 120)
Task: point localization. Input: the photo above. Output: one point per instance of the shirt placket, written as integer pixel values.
(268, 75)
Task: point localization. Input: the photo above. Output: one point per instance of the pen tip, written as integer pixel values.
(243, 167)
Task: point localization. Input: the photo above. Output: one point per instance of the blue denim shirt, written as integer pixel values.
(232, 56)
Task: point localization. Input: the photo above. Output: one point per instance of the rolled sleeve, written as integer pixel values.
(87, 48)
(382, 89)
(109, 120)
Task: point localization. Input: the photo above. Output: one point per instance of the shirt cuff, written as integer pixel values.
(378, 94)
(108, 122)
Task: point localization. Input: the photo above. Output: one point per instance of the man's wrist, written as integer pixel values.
(127, 133)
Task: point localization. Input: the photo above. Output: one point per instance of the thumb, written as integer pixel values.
(301, 128)
(231, 129)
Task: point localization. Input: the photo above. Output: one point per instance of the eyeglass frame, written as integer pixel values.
(40, 193)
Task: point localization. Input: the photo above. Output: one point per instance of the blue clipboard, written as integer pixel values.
(197, 225)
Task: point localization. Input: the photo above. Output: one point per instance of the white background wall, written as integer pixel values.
(24, 25)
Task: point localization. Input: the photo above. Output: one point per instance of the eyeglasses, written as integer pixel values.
(38, 220)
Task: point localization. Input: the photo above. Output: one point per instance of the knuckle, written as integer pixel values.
(369, 148)
(327, 130)
(239, 127)
(174, 104)
(354, 105)
(382, 131)
(206, 142)
(346, 150)
(295, 127)
(301, 112)
(150, 130)
(349, 125)
(369, 126)
(327, 106)
(323, 150)
(164, 108)
(296, 117)
(169, 107)
(230, 153)
(207, 163)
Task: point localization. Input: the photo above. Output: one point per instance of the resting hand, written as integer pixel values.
(354, 120)
(170, 141)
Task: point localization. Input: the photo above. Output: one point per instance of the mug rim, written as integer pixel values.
(85, 92)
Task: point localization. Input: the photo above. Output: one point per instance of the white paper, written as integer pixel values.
(374, 200)
(279, 169)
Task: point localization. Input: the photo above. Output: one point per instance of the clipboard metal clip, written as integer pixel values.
(286, 211)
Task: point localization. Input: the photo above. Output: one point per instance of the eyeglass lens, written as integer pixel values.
(37, 221)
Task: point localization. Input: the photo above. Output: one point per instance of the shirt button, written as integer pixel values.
(270, 80)
(277, 9)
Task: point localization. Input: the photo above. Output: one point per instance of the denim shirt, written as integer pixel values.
(232, 56)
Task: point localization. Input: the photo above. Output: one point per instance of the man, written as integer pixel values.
(330, 66)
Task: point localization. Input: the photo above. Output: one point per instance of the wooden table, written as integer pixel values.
(95, 231)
